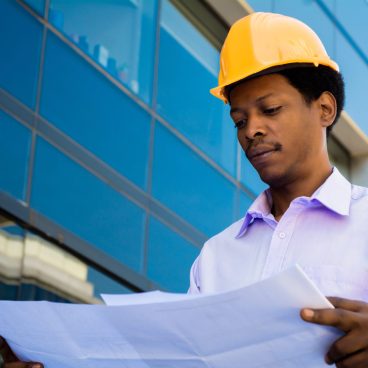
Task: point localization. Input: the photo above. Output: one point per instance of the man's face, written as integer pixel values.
(281, 135)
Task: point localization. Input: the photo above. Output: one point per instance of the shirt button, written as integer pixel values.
(282, 235)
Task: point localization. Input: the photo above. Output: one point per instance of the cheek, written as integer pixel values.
(302, 139)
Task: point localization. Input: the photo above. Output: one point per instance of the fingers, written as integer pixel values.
(347, 304)
(23, 365)
(338, 318)
(350, 316)
(358, 360)
(11, 361)
(347, 346)
(5, 351)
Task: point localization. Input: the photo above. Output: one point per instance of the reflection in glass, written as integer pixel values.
(32, 268)
(94, 112)
(119, 35)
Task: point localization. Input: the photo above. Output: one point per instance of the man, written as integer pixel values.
(285, 94)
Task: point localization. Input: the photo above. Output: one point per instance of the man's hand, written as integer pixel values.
(9, 360)
(350, 316)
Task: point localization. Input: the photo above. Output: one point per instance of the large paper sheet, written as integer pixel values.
(257, 326)
(149, 297)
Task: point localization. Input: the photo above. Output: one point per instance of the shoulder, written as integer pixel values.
(227, 235)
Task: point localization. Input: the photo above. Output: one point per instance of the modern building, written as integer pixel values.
(116, 162)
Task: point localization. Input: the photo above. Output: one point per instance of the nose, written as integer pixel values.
(255, 127)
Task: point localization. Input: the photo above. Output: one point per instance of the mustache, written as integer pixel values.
(254, 144)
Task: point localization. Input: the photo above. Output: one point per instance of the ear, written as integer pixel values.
(328, 108)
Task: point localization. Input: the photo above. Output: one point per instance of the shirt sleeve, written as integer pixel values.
(194, 279)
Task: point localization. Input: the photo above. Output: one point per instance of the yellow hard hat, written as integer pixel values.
(261, 41)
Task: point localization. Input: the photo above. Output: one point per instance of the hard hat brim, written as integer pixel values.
(219, 91)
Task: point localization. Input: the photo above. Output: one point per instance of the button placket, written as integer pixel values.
(280, 242)
(282, 235)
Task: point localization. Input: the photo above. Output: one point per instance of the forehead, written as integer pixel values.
(261, 88)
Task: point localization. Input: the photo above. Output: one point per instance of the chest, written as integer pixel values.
(333, 252)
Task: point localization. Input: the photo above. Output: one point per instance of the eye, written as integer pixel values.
(240, 124)
(272, 110)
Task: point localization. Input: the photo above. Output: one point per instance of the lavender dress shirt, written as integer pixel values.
(326, 234)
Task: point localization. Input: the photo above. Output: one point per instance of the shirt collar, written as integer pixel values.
(334, 194)
(260, 208)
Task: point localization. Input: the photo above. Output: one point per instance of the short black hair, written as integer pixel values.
(310, 81)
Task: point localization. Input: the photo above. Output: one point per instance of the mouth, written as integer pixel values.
(260, 155)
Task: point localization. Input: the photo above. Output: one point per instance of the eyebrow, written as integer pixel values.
(258, 100)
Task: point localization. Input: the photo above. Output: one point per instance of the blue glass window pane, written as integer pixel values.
(38, 5)
(12, 229)
(262, 5)
(249, 176)
(84, 205)
(103, 284)
(169, 257)
(119, 35)
(355, 73)
(8, 292)
(41, 294)
(188, 68)
(15, 140)
(244, 203)
(26, 292)
(94, 112)
(189, 186)
(353, 16)
(20, 45)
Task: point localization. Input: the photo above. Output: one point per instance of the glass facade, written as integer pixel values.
(121, 154)
(68, 194)
(170, 257)
(112, 146)
(20, 42)
(32, 268)
(14, 157)
(188, 68)
(98, 115)
(118, 35)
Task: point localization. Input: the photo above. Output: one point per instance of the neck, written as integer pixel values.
(305, 185)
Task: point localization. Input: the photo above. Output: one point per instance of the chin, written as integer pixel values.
(273, 177)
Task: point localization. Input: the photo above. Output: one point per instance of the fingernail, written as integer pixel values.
(328, 360)
(308, 313)
(36, 365)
